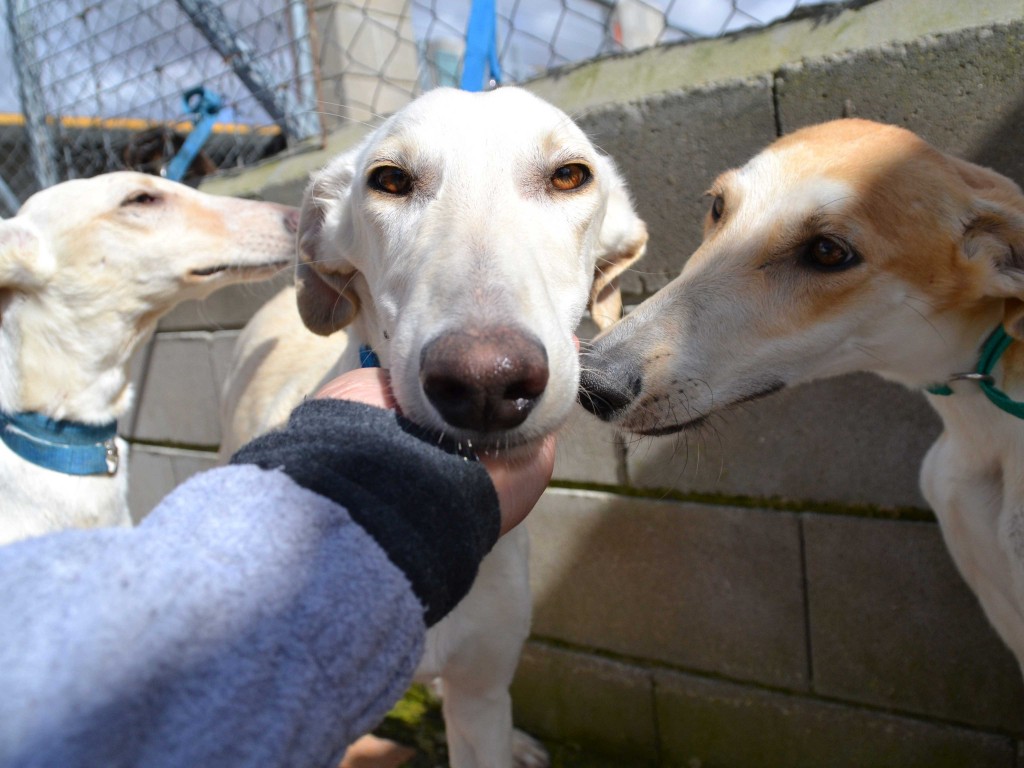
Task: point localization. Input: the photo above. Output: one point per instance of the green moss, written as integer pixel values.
(416, 721)
(759, 502)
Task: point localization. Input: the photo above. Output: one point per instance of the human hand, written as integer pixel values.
(519, 480)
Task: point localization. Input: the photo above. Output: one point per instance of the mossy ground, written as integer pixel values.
(416, 721)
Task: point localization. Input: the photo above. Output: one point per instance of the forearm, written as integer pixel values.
(247, 621)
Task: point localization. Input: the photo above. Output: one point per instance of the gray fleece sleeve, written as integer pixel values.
(248, 621)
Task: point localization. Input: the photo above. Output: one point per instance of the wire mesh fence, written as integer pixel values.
(97, 85)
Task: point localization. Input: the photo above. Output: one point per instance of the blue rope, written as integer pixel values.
(204, 105)
(481, 46)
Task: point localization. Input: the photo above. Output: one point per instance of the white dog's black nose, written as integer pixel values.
(607, 385)
(485, 380)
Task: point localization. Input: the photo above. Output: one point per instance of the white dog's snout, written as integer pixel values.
(485, 380)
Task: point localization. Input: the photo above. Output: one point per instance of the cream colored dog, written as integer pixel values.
(854, 246)
(460, 242)
(86, 269)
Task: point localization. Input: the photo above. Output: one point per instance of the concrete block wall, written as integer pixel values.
(771, 591)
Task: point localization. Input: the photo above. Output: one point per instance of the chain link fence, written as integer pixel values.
(97, 85)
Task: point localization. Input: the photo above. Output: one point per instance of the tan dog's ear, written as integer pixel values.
(622, 240)
(994, 239)
(323, 276)
(23, 260)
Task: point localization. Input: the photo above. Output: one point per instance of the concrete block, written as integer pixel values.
(228, 308)
(664, 148)
(813, 33)
(138, 366)
(589, 451)
(222, 347)
(156, 471)
(710, 723)
(179, 399)
(716, 589)
(605, 706)
(960, 90)
(852, 440)
(894, 625)
(150, 478)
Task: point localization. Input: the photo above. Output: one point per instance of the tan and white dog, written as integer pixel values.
(87, 268)
(460, 241)
(854, 246)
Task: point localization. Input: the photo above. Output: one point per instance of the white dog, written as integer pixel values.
(854, 246)
(86, 269)
(460, 243)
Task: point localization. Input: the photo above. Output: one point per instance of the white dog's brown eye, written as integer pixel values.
(717, 208)
(830, 253)
(571, 176)
(139, 198)
(390, 180)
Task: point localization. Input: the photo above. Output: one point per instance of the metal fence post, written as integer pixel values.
(40, 141)
(304, 64)
(247, 65)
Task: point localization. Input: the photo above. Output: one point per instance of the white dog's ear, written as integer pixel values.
(622, 240)
(23, 261)
(323, 276)
(994, 239)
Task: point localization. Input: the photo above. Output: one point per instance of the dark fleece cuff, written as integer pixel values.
(434, 512)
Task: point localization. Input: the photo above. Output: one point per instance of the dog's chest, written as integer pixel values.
(978, 498)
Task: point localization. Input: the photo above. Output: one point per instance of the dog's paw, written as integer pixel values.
(527, 752)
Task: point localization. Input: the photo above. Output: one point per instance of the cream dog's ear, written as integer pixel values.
(323, 275)
(24, 262)
(994, 239)
(622, 240)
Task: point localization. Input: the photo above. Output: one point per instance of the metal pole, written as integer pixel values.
(30, 91)
(304, 66)
(8, 199)
(280, 105)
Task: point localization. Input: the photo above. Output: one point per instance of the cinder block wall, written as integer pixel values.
(772, 591)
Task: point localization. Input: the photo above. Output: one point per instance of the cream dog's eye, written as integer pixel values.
(139, 198)
(830, 253)
(571, 176)
(717, 208)
(390, 180)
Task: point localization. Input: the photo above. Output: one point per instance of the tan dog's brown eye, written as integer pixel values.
(717, 208)
(571, 176)
(139, 198)
(390, 180)
(829, 253)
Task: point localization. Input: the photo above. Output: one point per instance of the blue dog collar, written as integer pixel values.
(68, 447)
(367, 357)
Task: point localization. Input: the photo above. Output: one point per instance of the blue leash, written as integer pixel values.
(204, 105)
(68, 447)
(481, 46)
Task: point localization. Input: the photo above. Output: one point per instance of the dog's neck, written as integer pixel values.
(68, 369)
(967, 412)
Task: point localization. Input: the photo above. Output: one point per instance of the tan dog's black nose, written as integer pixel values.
(609, 383)
(486, 380)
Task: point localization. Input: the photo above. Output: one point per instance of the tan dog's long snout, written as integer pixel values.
(846, 246)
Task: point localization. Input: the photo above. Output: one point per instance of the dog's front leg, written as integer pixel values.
(478, 646)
